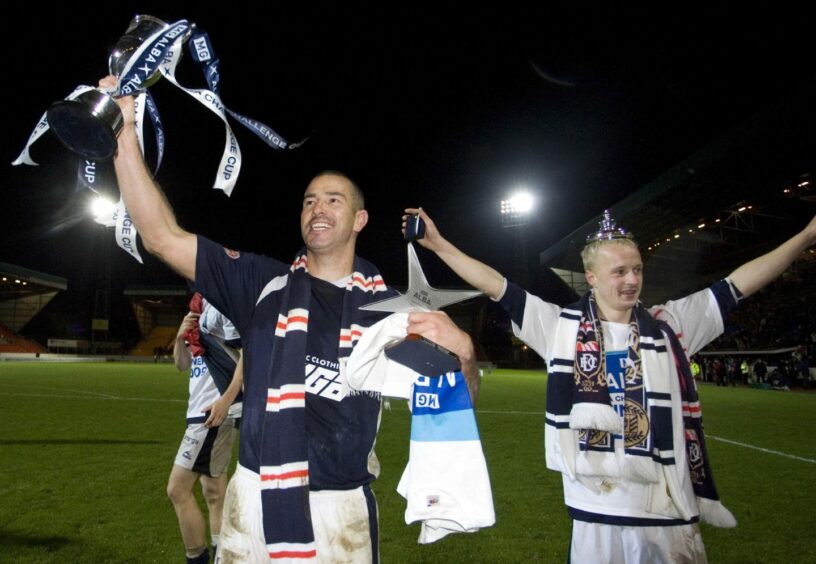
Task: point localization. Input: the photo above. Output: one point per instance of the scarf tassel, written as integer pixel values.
(596, 416)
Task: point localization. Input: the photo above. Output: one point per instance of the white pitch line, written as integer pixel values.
(716, 438)
(88, 397)
(510, 412)
(769, 451)
(79, 392)
(490, 411)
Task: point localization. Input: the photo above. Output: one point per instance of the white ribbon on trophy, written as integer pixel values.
(156, 57)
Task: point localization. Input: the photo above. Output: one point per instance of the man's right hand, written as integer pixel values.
(189, 322)
(125, 103)
(433, 238)
(475, 273)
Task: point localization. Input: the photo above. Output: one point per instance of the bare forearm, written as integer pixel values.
(475, 273)
(150, 210)
(756, 274)
(181, 355)
(470, 370)
(479, 275)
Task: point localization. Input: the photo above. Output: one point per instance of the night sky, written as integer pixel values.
(420, 107)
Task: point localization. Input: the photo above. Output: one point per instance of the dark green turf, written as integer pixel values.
(85, 450)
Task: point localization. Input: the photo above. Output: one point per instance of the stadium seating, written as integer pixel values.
(161, 337)
(11, 342)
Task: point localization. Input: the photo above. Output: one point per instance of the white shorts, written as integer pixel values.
(344, 529)
(207, 451)
(615, 544)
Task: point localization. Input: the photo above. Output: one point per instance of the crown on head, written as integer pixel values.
(608, 230)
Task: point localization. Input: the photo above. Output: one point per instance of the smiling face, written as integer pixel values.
(616, 275)
(330, 220)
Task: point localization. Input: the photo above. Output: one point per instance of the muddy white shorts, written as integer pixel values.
(344, 523)
(617, 544)
(207, 451)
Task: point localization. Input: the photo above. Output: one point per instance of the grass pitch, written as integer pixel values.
(85, 451)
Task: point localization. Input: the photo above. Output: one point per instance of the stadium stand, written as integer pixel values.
(160, 339)
(11, 342)
(730, 201)
(158, 312)
(733, 200)
(23, 294)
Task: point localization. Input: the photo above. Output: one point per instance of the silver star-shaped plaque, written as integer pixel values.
(420, 296)
(419, 354)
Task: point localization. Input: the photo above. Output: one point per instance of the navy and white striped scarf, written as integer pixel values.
(578, 399)
(646, 428)
(284, 470)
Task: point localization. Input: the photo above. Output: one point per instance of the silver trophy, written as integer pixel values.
(88, 125)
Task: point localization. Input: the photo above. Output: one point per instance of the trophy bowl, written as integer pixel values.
(88, 125)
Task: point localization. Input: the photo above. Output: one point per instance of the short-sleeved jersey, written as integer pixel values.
(340, 430)
(696, 320)
(203, 392)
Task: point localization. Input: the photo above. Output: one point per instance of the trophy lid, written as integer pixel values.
(608, 230)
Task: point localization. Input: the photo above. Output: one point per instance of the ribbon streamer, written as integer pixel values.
(157, 57)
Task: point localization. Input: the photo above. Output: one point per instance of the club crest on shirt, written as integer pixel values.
(232, 254)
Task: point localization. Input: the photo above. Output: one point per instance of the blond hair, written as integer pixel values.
(590, 251)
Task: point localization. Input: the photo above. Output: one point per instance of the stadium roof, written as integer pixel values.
(24, 293)
(732, 200)
(160, 298)
(16, 282)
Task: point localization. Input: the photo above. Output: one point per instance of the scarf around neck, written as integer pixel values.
(578, 399)
(284, 469)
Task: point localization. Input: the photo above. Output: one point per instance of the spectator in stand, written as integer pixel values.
(760, 371)
(730, 371)
(800, 366)
(745, 371)
(718, 370)
(695, 368)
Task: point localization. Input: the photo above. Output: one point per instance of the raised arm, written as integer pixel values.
(181, 354)
(475, 273)
(146, 204)
(754, 275)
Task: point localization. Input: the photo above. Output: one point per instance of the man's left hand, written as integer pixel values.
(217, 413)
(436, 326)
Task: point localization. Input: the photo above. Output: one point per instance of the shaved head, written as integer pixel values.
(358, 199)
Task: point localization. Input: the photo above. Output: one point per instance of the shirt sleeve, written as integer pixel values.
(232, 280)
(217, 324)
(700, 318)
(533, 319)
